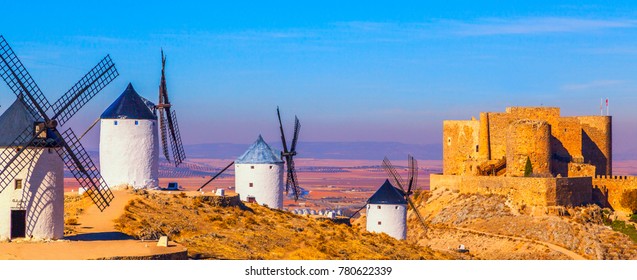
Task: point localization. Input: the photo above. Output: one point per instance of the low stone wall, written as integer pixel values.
(523, 191)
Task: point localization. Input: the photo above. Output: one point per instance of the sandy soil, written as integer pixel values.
(96, 238)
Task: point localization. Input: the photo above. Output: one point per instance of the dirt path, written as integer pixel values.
(96, 238)
(93, 220)
(551, 246)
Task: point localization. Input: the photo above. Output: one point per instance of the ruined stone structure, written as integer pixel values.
(554, 144)
(570, 158)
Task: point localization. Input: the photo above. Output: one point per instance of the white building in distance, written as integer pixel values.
(259, 175)
(129, 142)
(32, 204)
(387, 212)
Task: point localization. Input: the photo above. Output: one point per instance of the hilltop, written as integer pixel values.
(224, 228)
(493, 229)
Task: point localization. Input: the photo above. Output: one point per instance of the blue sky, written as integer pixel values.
(351, 71)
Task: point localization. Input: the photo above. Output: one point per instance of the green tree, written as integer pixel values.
(528, 168)
(629, 200)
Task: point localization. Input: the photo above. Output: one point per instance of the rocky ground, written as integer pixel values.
(491, 229)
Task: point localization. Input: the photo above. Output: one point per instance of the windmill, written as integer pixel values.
(32, 139)
(413, 182)
(288, 155)
(387, 207)
(168, 121)
(130, 138)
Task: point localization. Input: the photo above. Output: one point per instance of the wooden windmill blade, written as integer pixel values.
(393, 174)
(20, 81)
(175, 139)
(83, 169)
(84, 90)
(413, 173)
(168, 121)
(215, 177)
(295, 139)
(285, 144)
(292, 180)
(163, 132)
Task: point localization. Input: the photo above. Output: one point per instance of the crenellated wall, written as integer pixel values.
(608, 190)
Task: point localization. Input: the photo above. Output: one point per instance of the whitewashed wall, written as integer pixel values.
(42, 196)
(129, 153)
(267, 182)
(393, 218)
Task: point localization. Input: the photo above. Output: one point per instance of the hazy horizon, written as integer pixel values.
(350, 71)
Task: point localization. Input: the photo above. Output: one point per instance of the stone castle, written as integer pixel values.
(535, 157)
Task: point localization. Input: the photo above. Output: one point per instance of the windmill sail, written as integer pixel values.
(168, 121)
(45, 133)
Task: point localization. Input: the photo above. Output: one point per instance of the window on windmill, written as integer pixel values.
(251, 166)
(378, 206)
(115, 122)
(270, 166)
(18, 184)
(396, 207)
(379, 223)
(136, 122)
(251, 185)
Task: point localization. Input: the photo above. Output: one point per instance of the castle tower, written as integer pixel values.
(32, 205)
(129, 143)
(528, 139)
(259, 175)
(387, 212)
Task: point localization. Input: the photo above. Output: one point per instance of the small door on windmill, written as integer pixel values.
(18, 223)
(251, 199)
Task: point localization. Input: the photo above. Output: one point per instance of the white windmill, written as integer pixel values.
(129, 138)
(387, 207)
(259, 171)
(33, 151)
(259, 175)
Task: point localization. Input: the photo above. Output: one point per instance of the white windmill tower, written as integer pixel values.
(129, 140)
(129, 143)
(387, 212)
(259, 175)
(33, 151)
(387, 207)
(259, 171)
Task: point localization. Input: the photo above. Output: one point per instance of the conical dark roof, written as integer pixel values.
(14, 121)
(260, 152)
(387, 194)
(129, 105)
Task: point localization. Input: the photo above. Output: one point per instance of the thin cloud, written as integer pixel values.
(539, 25)
(592, 85)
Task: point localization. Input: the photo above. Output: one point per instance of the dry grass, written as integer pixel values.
(211, 231)
(74, 206)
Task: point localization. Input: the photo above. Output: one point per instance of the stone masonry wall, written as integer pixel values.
(460, 143)
(528, 139)
(597, 142)
(608, 190)
(523, 191)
